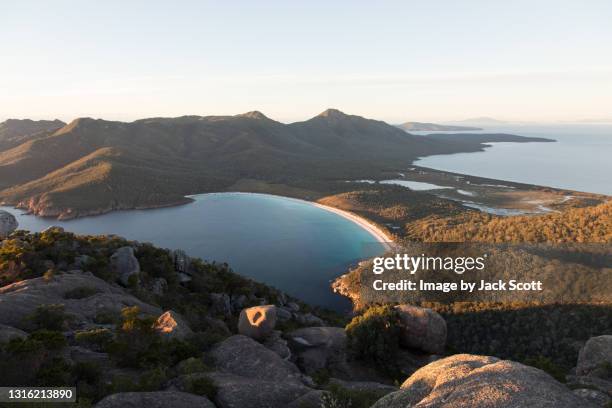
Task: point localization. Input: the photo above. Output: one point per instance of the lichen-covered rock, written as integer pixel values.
(257, 322)
(422, 328)
(155, 399)
(124, 263)
(242, 356)
(8, 224)
(469, 381)
(595, 357)
(172, 325)
(20, 299)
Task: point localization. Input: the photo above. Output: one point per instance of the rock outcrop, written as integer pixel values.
(8, 223)
(239, 392)
(249, 375)
(422, 328)
(595, 357)
(318, 348)
(156, 399)
(257, 322)
(7, 333)
(465, 380)
(20, 299)
(172, 325)
(242, 356)
(125, 264)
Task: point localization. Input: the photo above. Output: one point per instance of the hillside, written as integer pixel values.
(92, 166)
(434, 127)
(14, 132)
(588, 225)
(132, 325)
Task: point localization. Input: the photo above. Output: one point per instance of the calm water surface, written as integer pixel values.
(580, 160)
(287, 243)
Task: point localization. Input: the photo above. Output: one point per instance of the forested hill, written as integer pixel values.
(93, 166)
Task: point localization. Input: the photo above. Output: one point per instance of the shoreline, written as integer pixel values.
(375, 231)
(381, 236)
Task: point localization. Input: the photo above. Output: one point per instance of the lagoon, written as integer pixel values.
(287, 243)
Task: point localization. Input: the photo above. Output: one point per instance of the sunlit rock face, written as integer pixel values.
(466, 380)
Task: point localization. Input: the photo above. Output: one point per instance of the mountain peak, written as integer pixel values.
(253, 115)
(332, 113)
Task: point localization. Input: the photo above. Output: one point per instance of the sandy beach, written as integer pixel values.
(375, 231)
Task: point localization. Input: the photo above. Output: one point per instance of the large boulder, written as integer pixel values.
(172, 326)
(8, 223)
(257, 322)
(240, 355)
(422, 328)
(318, 348)
(595, 358)
(465, 380)
(155, 399)
(20, 299)
(124, 263)
(277, 344)
(7, 333)
(240, 392)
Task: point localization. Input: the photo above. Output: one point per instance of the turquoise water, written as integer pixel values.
(289, 244)
(580, 160)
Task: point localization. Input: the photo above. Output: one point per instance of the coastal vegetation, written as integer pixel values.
(95, 166)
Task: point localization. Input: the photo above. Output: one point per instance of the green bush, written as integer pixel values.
(107, 317)
(190, 366)
(51, 340)
(99, 339)
(48, 317)
(374, 336)
(54, 373)
(87, 371)
(546, 364)
(204, 386)
(340, 397)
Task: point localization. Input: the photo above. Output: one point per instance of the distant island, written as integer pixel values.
(434, 127)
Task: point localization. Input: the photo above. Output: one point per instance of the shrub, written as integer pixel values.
(51, 340)
(546, 364)
(49, 317)
(107, 317)
(87, 371)
(374, 336)
(340, 397)
(100, 339)
(204, 386)
(54, 373)
(191, 365)
(152, 380)
(80, 292)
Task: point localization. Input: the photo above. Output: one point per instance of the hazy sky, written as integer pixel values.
(395, 61)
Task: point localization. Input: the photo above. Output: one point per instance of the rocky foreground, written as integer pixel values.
(134, 326)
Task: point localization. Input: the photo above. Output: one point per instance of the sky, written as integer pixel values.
(397, 61)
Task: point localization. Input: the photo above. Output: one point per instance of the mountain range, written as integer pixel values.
(91, 166)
